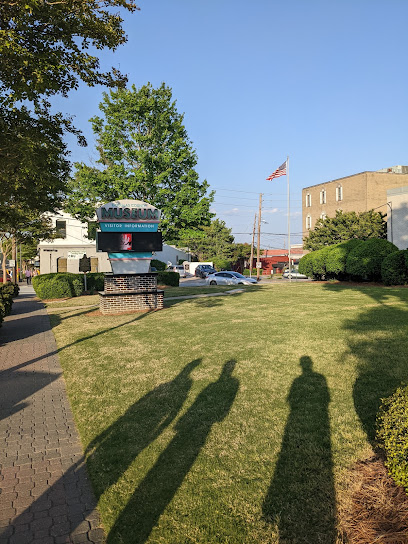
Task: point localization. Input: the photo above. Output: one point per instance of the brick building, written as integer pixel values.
(358, 193)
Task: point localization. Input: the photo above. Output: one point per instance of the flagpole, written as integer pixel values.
(289, 255)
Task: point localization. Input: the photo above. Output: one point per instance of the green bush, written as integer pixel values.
(168, 278)
(95, 281)
(392, 434)
(306, 265)
(394, 269)
(319, 262)
(337, 257)
(158, 265)
(6, 300)
(221, 264)
(56, 286)
(78, 285)
(246, 271)
(364, 261)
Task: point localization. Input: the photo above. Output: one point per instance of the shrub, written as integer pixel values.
(394, 268)
(95, 281)
(319, 262)
(221, 264)
(159, 265)
(168, 278)
(246, 272)
(56, 286)
(337, 258)
(78, 285)
(306, 265)
(392, 433)
(364, 261)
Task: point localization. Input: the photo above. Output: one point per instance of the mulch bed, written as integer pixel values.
(375, 510)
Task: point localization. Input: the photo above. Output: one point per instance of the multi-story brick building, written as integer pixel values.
(358, 193)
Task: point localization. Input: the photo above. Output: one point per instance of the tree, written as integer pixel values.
(145, 154)
(44, 46)
(34, 164)
(346, 226)
(214, 241)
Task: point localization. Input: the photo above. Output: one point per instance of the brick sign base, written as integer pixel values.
(130, 293)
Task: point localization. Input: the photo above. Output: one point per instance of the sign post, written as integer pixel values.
(85, 266)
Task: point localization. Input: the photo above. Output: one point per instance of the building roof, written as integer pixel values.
(399, 169)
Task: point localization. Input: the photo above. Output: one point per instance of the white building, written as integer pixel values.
(62, 254)
(397, 218)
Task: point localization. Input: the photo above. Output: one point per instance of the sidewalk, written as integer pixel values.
(45, 495)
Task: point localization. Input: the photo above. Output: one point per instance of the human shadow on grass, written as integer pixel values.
(157, 489)
(119, 445)
(301, 499)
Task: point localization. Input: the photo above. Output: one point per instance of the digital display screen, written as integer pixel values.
(116, 242)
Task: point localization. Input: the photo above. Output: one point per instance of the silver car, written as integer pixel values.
(229, 278)
(294, 275)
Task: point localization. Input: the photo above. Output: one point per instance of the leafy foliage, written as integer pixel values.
(337, 257)
(393, 434)
(394, 268)
(168, 278)
(306, 265)
(213, 241)
(346, 226)
(44, 45)
(58, 285)
(158, 265)
(145, 154)
(364, 261)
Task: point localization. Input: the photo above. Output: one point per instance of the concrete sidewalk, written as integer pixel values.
(45, 495)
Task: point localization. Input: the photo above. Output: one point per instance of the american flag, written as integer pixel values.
(281, 171)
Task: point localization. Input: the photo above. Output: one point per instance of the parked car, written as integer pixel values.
(8, 277)
(179, 268)
(294, 275)
(229, 278)
(203, 270)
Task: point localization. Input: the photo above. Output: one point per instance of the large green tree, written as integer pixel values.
(212, 241)
(45, 45)
(346, 226)
(145, 154)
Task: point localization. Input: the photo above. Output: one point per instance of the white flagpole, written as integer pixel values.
(289, 255)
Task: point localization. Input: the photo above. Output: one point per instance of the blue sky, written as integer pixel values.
(324, 82)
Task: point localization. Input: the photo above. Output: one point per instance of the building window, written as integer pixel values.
(308, 200)
(308, 222)
(323, 216)
(339, 193)
(323, 196)
(61, 229)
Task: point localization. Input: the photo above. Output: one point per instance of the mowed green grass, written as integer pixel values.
(232, 419)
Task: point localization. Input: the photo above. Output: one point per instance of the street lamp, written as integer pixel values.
(50, 251)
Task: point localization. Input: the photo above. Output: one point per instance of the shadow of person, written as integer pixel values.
(301, 497)
(161, 483)
(111, 452)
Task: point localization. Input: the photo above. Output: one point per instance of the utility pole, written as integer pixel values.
(252, 249)
(258, 249)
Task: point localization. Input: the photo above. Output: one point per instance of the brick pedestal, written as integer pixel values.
(130, 293)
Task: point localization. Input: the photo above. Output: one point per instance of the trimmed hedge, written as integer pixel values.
(364, 261)
(47, 286)
(158, 265)
(168, 278)
(306, 265)
(392, 434)
(7, 292)
(394, 268)
(95, 281)
(337, 258)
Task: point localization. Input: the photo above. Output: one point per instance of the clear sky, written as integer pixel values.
(321, 81)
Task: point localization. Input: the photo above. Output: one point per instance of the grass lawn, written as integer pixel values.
(169, 292)
(232, 419)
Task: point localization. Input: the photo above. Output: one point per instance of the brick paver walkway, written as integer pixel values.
(45, 495)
